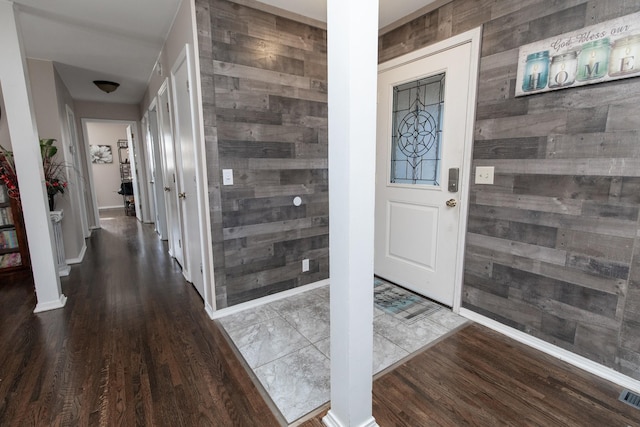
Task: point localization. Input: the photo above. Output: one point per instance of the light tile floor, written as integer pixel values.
(286, 344)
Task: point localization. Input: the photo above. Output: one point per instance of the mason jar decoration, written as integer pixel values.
(623, 56)
(593, 61)
(536, 71)
(563, 69)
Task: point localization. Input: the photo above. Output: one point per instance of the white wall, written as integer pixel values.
(5, 139)
(50, 96)
(106, 176)
(182, 31)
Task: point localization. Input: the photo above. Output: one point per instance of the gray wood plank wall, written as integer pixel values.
(553, 247)
(264, 81)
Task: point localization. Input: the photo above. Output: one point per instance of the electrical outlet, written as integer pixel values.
(484, 174)
(305, 265)
(227, 176)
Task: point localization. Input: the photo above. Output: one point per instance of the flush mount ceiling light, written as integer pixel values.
(106, 86)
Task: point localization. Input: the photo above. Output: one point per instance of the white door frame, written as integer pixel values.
(473, 37)
(157, 161)
(203, 220)
(165, 119)
(198, 251)
(80, 184)
(149, 166)
(94, 196)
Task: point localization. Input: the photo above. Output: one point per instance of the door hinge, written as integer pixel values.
(188, 86)
(167, 107)
(179, 243)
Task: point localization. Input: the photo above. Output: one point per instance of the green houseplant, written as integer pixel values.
(8, 173)
(54, 175)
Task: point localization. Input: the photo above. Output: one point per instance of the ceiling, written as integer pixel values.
(120, 40)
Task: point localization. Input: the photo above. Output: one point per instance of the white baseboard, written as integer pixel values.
(209, 310)
(80, 257)
(330, 420)
(51, 305)
(555, 351)
(269, 298)
(64, 271)
(106, 208)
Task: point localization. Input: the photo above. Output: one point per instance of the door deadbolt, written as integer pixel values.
(167, 189)
(452, 203)
(454, 177)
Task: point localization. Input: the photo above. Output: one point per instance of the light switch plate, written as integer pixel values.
(484, 174)
(227, 176)
(305, 265)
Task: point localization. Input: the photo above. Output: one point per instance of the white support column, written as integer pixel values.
(24, 141)
(352, 33)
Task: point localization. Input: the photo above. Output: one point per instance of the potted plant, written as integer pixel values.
(8, 173)
(53, 171)
(54, 176)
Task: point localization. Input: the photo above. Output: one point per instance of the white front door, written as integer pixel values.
(422, 115)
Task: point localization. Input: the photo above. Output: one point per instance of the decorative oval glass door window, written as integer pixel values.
(417, 130)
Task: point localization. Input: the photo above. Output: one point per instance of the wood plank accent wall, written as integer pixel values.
(264, 83)
(553, 248)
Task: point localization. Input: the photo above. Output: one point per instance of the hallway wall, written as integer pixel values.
(264, 83)
(5, 138)
(553, 247)
(50, 96)
(106, 176)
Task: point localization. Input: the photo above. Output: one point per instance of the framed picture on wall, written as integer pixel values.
(101, 154)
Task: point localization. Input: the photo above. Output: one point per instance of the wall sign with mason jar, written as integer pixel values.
(599, 53)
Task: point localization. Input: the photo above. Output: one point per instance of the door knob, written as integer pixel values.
(452, 203)
(182, 196)
(167, 189)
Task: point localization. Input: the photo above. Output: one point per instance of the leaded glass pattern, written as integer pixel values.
(417, 131)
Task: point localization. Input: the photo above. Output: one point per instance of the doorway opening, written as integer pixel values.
(114, 165)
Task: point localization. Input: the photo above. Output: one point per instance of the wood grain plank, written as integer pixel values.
(598, 166)
(552, 256)
(610, 226)
(589, 145)
(530, 202)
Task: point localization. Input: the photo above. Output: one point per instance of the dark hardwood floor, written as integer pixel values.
(481, 378)
(133, 346)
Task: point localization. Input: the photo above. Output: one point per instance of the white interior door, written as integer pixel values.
(157, 176)
(149, 169)
(422, 111)
(169, 175)
(186, 167)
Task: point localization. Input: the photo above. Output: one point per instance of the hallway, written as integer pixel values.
(133, 346)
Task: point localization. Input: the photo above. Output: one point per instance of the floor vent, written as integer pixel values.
(630, 398)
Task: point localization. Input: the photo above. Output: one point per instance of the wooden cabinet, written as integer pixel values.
(14, 252)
